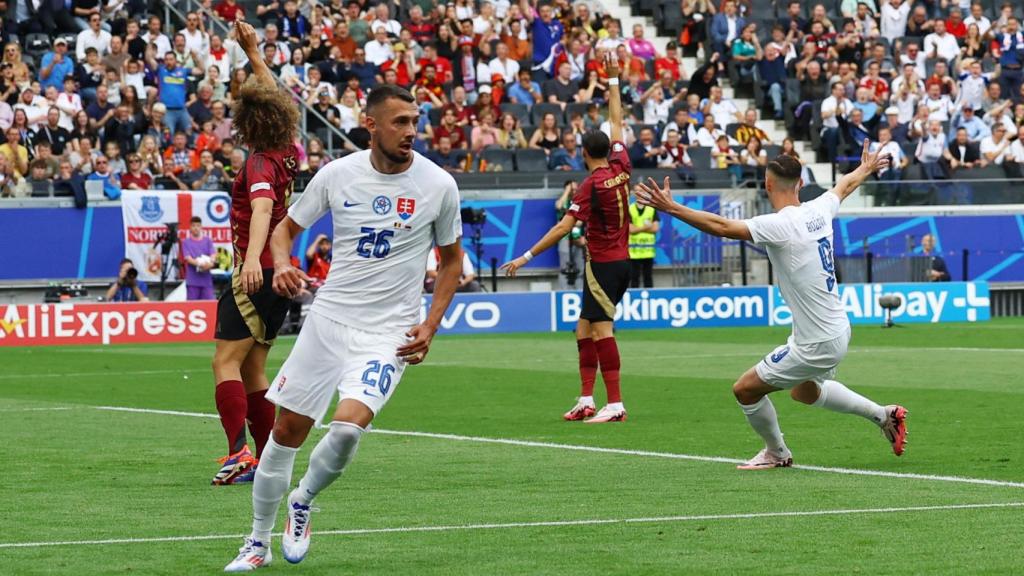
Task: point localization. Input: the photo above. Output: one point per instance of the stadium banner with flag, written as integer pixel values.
(146, 214)
(107, 323)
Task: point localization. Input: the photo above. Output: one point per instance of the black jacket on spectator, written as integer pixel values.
(697, 84)
(812, 91)
(121, 132)
(636, 157)
(87, 79)
(971, 152)
(199, 112)
(137, 48)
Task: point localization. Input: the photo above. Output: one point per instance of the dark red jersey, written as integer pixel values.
(602, 202)
(266, 175)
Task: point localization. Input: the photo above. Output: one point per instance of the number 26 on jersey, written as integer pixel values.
(374, 243)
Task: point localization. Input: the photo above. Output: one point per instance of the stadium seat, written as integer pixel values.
(700, 156)
(520, 111)
(531, 160)
(542, 108)
(499, 157)
(575, 108)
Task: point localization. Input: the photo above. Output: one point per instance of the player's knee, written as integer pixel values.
(806, 393)
(742, 392)
(291, 430)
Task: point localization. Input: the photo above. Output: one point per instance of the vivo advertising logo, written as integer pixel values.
(937, 302)
(477, 313)
(696, 307)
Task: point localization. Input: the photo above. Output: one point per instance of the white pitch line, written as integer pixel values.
(539, 524)
(623, 452)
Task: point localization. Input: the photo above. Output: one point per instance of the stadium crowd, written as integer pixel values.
(106, 91)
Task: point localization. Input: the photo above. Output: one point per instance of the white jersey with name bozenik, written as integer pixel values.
(798, 240)
(384, 225)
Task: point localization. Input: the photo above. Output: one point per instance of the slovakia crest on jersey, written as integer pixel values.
(406, 208)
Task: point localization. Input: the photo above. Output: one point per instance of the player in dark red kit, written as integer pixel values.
(602, 202)
(250, 314)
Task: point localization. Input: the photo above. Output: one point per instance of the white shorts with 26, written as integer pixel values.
(331, 356)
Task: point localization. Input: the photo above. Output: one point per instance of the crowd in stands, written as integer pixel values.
(938, 84)
(116, 94)
(108, 91)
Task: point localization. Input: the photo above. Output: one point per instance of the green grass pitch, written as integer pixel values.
(72, 472)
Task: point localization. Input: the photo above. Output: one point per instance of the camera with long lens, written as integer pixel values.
(166, 239)
(474, 216)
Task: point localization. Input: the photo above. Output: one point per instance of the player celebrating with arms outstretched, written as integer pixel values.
(798, 239)
(250, 314)
(389, 206)
(602, 202)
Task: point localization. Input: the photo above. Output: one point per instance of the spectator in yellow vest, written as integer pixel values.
(643, 229)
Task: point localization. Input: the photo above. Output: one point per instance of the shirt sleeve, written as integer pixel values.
(448, 226)
(619, 157)
(580, 206)
(313, 202)
(827, 203)
(259, 174)
(770, 228)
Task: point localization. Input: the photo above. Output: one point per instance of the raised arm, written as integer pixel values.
(556, 233)
(524, 5)
(249, 42)
(611, 66)
(870, 163)
(660, 198)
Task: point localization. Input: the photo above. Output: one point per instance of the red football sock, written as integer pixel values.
(608, 352)
(261, 419)
(588, 365)
(232, 406)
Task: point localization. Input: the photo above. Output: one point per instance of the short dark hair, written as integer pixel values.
(382, 93)
(196, 220)
(596, 144)
(785, 168)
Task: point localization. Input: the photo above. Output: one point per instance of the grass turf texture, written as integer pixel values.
(82, 474)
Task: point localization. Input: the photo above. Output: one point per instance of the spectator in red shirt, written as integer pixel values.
(875, 83)
(450, 129)
(318, 259)
(955, 23)
(404, 65)
(442, 64)
(464, 114)
(135, 178)
(229, 10)
(429, 81)
(823, 41)
(670, 61)
(422, 30)
(941, 77)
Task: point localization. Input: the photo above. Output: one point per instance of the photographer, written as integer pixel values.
(572, 248)
(128, 287)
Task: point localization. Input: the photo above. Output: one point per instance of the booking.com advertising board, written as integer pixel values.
(710, 307)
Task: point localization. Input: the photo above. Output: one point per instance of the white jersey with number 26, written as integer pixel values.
(798, 240)
(384, 225)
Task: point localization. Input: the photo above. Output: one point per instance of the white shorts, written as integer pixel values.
(330, 356)
(793, 364)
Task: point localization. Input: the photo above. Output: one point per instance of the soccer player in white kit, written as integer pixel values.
(798, 239)
(389, 207)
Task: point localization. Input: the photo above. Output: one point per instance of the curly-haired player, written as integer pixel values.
(250, 314)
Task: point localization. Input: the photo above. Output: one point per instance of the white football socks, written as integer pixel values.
(273, 475)
(588, 400)
(838, 398)
(334, 451)
(763, 419)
